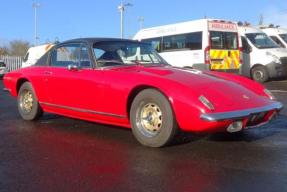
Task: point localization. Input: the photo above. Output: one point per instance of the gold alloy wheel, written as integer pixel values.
(26, 101)
(150, 119)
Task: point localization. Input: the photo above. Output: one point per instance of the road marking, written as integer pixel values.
(278, 91)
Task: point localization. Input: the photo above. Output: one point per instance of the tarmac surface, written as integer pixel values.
(62, 154)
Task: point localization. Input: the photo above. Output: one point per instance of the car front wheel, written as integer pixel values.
(28, 105)
(152, 119)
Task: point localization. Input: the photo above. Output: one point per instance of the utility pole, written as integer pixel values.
(121, 8)
(36, 6)
(141, 21)
(261, 20)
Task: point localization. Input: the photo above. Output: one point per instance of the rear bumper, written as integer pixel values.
(232, 115)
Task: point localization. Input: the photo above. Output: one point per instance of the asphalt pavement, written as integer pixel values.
(63, 154)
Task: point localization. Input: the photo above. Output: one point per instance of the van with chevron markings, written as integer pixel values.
(205, 44)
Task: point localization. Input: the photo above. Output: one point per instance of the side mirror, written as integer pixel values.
(247, 49)
(73, 67)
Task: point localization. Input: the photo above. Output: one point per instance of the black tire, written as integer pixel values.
(162, 118)
(259, 74)
(29, 110)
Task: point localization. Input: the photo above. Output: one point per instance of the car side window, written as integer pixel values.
(66, 55)
(85, 61)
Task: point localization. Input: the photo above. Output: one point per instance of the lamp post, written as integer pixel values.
(121, 8)
(36, 6)
(141, 21)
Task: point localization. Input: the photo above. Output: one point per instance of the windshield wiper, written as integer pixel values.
(109, 61)
(143, 62)
(267, 47)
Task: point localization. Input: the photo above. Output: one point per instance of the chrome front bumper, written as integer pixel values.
(240, 113)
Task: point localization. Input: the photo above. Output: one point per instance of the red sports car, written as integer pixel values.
(126, 83)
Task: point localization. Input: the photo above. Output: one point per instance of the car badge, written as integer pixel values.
(245, 97)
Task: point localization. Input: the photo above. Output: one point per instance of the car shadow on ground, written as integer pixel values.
(276, 126)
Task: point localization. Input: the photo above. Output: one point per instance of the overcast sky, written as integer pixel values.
(66, 19)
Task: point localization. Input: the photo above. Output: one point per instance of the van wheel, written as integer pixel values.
(259, 74)
(28, 105)
(152, 119)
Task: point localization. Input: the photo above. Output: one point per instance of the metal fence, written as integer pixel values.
(12, 62)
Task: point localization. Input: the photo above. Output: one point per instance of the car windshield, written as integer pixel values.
(125, 53)
(261, 40)
(284, 37)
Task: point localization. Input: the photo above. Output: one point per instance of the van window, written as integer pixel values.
(217, 40)
(231, 40)
(155, 43)
(173, 42)
(284, 37)
(223, 40)
(274, 38)
(26, 57)
(190, 41)
(194, 41)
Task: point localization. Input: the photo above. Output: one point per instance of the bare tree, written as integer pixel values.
(4, 50)
(18, 47)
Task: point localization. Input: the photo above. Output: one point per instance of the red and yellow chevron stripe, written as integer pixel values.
(224, 59)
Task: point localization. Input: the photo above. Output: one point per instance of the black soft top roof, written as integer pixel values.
(95, 40)
(44, 60)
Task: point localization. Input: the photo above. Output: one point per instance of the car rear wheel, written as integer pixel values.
(259, 74)
(28, 105)
(152, 119)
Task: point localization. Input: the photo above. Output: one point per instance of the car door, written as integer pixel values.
(246, 49)
(72, 82)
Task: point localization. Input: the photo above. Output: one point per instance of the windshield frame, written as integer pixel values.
(251, 38)
(283, 36)
(115, 45)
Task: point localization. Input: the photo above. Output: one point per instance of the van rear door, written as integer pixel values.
(224, 50)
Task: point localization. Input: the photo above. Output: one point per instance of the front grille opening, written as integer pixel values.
(256, 118)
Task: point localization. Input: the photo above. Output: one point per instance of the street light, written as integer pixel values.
(141, 21)
(121, 8)
(35, 6)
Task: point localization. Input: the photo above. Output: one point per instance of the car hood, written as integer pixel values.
(219, 91)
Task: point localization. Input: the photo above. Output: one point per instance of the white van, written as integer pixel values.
(34, 53)
(206, 44)
(262, 57)
(279, 35)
